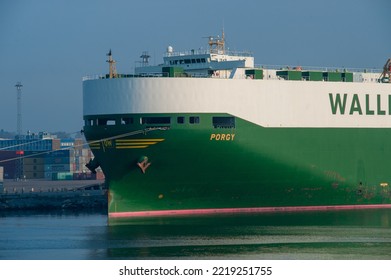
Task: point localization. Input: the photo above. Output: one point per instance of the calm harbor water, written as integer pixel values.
(360, 234)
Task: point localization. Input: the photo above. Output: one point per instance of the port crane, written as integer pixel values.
(386, 74)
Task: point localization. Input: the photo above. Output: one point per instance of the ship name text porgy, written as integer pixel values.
(359, 104)
(222, 137)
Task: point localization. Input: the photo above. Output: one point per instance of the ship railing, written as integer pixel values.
(267, 67)
(164, 75)
(317, 68)
(203, 52)
(119, 76)
(151, 75)
(93, 77)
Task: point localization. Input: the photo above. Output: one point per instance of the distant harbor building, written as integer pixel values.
(44, 156)
(41, 141)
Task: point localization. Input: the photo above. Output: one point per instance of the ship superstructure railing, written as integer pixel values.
(149, 75)
(119, 76)
(203, 52)
(93, 77)
(318, 68)
(369, 71)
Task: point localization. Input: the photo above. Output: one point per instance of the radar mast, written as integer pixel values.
(217, 45)
(145, 58)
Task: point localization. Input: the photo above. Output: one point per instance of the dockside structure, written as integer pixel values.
(43, 156)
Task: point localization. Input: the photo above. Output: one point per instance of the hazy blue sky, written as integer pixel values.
(49, 45)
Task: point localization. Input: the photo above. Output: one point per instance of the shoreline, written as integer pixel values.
(53, 195)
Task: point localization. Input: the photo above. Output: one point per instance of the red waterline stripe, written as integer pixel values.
(190, 212)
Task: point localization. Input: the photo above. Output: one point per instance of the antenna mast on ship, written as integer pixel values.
(217, 45)
(145, 58)
(112, 70)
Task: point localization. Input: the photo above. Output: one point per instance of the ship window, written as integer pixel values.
(181, 61)
(193, 61)
(203, 60)
(194, 120)
(223, 122)
(126, 120)
(187, 61)
(155, 120)
(181, 120)
(198, 60)
(101, 121)
(89, 122)
(106, 122)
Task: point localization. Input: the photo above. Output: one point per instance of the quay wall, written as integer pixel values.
(45, 195)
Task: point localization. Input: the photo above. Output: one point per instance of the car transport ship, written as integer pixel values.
(209, 132)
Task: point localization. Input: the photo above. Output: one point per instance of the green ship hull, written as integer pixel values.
(196, 168)
(207, 132)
